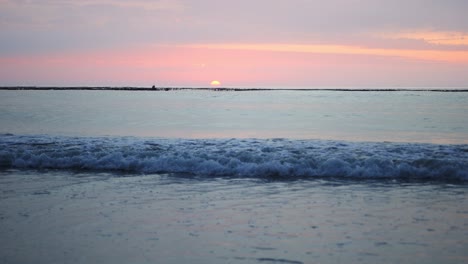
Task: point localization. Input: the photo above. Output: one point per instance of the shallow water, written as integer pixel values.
(88, 218)
(403, 116)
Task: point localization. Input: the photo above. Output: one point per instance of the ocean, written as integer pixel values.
(233, 176)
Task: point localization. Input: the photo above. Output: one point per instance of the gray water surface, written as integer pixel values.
(399, 116)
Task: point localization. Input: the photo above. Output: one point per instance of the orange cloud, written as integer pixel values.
(452, 38)
(431, 55)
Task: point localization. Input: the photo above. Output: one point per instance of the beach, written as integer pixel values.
(99, 217)
(243, 132)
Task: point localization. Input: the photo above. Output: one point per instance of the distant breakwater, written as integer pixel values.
(108, 88)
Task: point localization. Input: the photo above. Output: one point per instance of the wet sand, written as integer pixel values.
(62, 217)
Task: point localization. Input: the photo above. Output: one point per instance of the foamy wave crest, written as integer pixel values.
(236, 157)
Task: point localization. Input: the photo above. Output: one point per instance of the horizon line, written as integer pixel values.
(162, 88)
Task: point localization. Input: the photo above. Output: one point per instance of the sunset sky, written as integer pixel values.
(255, 43)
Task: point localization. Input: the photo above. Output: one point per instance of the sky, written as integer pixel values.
(242, 43)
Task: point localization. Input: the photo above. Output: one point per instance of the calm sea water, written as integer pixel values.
(233, 177)
(411, 116)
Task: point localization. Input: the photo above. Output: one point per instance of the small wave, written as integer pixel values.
(280, 158)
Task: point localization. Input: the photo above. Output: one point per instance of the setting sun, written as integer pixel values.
(215, 83)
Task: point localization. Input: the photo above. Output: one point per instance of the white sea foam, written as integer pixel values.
(237, 157)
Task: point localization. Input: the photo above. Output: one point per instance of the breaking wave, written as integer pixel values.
(236, 157)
